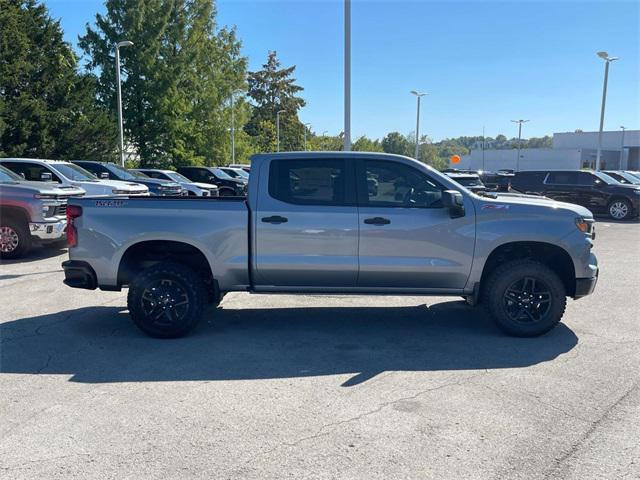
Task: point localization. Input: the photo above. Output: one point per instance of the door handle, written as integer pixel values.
(275, 219)
(377, 221)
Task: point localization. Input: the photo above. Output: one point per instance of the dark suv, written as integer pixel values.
(594, 190)
(227, 186)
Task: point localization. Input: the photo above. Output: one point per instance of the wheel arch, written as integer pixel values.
(13, 211)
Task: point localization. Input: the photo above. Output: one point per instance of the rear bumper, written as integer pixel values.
(78, 274)
(585, 286)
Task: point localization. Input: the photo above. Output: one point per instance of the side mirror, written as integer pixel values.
(46, 177)
(104, 175)
(22, 175)
(453, 201)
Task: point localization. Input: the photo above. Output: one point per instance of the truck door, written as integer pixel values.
(306, 225)
(562, 186)
(407, 238)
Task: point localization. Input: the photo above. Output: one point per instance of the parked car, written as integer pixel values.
(310, 224)
(31, 211)
(192, 188)
(470, 180)
(227, 186)
(500, 181)
(245, 167)
(634, 173)
(623, 177)
(592, 189)
(235, 172)
(68, 175)
(112, 171)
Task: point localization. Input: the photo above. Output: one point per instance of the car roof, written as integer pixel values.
(462, 175)
(43, 160)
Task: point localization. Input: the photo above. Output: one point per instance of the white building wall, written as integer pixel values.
(530, 159)
(611, 140)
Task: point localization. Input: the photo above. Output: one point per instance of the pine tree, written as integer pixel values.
(177, 78)
(47, 108)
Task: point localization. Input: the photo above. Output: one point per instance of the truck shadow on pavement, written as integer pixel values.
(101, 344)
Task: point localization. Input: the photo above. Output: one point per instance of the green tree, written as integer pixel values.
(177, 78)
(47, 108)
(274, 89)
(364, 144)
(397, 143)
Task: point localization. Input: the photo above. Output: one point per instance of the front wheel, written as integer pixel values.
(15, 239)
(166, 300)
(525, 298)
(620, 209)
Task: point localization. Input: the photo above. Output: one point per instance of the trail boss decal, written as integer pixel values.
(493, 206)
(110, 203)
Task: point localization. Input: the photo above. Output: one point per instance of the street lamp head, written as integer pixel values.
(417, 94)
(281, 111)
(605, 56)
(125, 43)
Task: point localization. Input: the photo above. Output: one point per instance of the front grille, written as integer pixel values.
(60, 211)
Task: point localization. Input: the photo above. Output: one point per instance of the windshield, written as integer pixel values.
(606, 178)
(469, 181)
(74, 172)
(624, 177)
(242, 173)
(221, 174)
(123, 173)
(177, 177)
(7, 175)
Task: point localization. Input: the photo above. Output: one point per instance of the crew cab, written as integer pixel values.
(192, 188)
(30, 212)
(312, 224)
(109, 170)
(594, 190)
(66, 174)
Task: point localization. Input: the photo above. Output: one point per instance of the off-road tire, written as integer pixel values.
(186, 285)
(497, 293)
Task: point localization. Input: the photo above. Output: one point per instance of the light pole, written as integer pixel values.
(607, 60)
(306, 125)
(346, 144)
(125, 43)
(233, 126)
(278, 128)
(623, 128)
(519, 122)
(418, 96)
(324, 139)
(483, 147)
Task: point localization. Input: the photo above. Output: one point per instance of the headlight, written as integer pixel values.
(45, 195)
(585, 225)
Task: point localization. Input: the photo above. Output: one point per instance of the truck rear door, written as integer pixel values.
(407, 238)
(306, 225)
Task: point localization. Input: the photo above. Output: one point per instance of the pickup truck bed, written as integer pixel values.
(335, 223)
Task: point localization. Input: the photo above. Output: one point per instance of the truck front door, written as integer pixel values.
(407, 238)
(306, 225)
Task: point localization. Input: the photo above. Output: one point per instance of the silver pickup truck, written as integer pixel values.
(335, 222)
(31, 211)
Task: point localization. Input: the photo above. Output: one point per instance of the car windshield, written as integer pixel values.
(123, 173)
(74, 172)
(627, 178)
(606, 178)
(7, 175)
(177, 177)
(242, 173)
(221, 174)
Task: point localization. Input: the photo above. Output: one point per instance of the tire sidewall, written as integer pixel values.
(187, 279)
(24, 237)
(505, 278)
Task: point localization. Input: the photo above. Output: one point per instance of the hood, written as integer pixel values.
(120, 185)
(45, 188)
(203, 186)
(157, 182)
(544, 204)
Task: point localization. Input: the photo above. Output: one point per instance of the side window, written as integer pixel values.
(562, 178)
(308, 182)
(93, 168)
(396, 185)
(585, 179)
(31, 171)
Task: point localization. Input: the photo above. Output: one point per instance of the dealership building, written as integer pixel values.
(571, 150)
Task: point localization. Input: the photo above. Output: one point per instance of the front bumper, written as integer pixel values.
(48, 230)
(78, 274)
(585, 286)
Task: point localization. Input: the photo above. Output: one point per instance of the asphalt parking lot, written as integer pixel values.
(272, 387)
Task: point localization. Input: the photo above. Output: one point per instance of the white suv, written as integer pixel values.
(68, 174)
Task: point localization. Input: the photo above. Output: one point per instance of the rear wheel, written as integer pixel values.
(525, 298)
(167, 300)
(15, 239)
(620, 209)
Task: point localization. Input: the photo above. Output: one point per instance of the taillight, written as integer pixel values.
(73, 212)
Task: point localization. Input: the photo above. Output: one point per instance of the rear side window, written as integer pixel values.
(31, 171)
(308, 182)
(563, 178)
(529, 178)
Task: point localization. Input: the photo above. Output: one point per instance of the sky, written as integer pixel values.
(482, 63)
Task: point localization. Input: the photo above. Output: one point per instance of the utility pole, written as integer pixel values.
(278, 128)
(346, 146)
(607, 60)
(622, 149)
(418, 96)
(483, 147)
(519, 122)
(124, 43)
